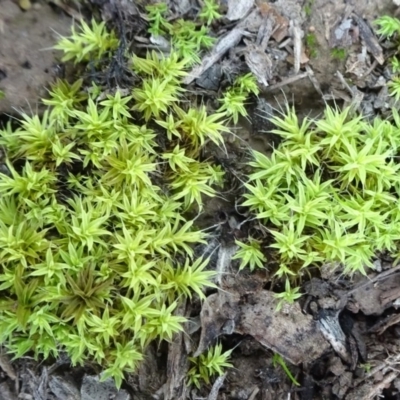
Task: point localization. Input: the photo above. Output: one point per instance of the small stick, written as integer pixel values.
(287, 81)
(215, 389)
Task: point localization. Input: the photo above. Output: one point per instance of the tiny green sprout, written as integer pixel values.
(247, 83)
(290, 295)
(395, 63)
(188, 278)
(199, 125)
(311, 43)
(155, 97)
(209, 365)
(388, 26)
(394, 87)
(156, 65)
(233, 105)
(117, 105)
(178, 160)
(92, 42)
(2, 94)
(124, 357)
(64, 97)
(367, 367)
(290, 243)
(338, 53)
(250, 255)
(209, 12)
(308, 7)
(278, 360)
(156, 16)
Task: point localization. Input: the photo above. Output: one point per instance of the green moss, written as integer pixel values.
(311, 44)
(329, 192)
(96, 251)
(338, 53)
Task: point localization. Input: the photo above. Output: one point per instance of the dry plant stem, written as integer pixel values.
(221, 47)
(370, 392)
(373, 280)
(69, 10)
(384, 364)
(314, 80)
(285, 82)
(254, 393)
(296, 32)
(216, 386)
(381, 328)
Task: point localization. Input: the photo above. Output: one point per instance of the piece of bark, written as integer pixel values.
(177, 365)
(238, 9)
(259, 62)
(369, 38)
(7, 367)
(293, 335)
(218, 310)
(333, 333)
(370, 295)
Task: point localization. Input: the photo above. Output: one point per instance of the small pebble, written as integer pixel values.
(25, 4)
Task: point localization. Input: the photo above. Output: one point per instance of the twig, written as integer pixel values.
(287, 81)
(217, 385)
(254, 393)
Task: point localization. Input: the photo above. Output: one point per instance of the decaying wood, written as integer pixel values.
(6, 366)
(238, 9)
(370, 294)
(254, 393)
(217, 310)
(5, 392)
(177, 365)
(369, 38)
(259, 62)
(225, 254)
(384, 324)
(296, 33)
(292, 334)
(369, 391)
(330, 327)
(314, 80)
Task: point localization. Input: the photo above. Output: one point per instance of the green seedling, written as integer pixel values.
(289, 296)
(338, 53)
(209, 13)
(278, 360)
(250, 255)
(208, 365)
(93, 42)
